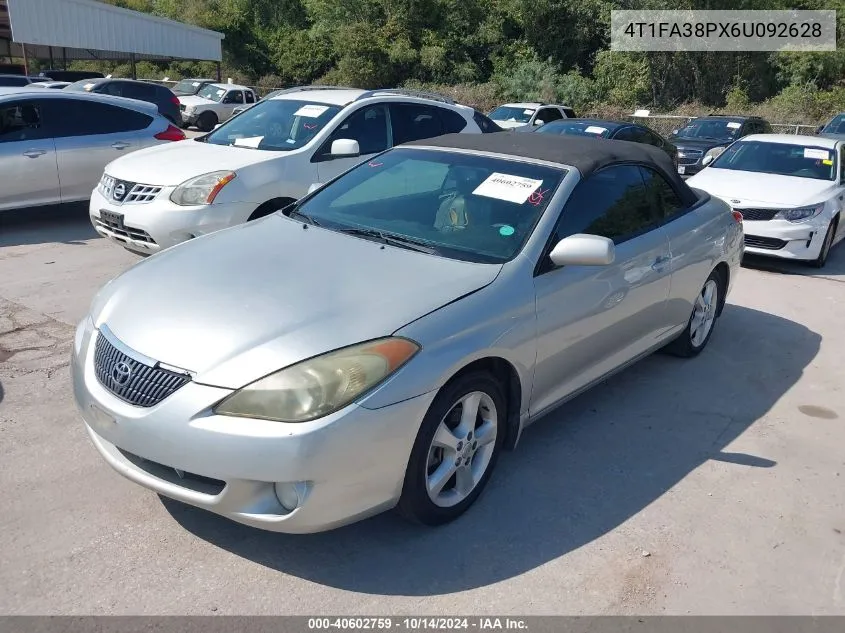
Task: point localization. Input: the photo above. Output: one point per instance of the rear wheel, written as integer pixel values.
(702, 321)
(821, 260)
(207, 121)
(455, 451)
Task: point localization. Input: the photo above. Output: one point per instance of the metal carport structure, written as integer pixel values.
(89, 30)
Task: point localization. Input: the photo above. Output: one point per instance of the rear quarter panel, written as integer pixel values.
(700, 240)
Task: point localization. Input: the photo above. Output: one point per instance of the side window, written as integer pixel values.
(547, 115)
(569, 112)
(651, 138)
(234, 96)
(412, 122)
(667, 201)
(81, 117)
(629, 133)
(485, 123)
(765, 127)
(613, 202)
(250, 96)
(21, 121)
(368, 126)
(452, 121)
(138, 91)
(842, 163)
(114, 88)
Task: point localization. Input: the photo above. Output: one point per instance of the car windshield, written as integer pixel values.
(511, 113)
(277, 125)
(717, 129)
(574, 128)
(836, 125)
(212, 93)
(465, 207)
(782, 159)
(187, 86)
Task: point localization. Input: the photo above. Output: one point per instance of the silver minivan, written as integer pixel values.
(54, 145)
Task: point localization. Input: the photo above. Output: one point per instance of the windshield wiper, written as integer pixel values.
(304, 216)
(392, 239)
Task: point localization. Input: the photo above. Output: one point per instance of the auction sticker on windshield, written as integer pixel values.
(507, 187)
(311, 111)
(595, 129)
(249, 141)
(734, 125)
(818, 154)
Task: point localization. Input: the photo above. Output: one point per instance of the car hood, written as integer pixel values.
(696, 143)
(194, 100)
(171, 164)
(241, 303)
(752, 188)
(509, 125)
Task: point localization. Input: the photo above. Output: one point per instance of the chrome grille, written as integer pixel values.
(758, 215)
(131, 380)
(136, 192)
(689, 156)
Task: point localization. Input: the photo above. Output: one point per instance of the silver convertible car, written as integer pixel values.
(381, 341)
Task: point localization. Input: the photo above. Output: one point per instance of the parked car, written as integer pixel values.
(17, 81)
(188, 87)
(70, 75)
(266, 158)
(54, 144)
(835, 128)
(167, 102)
(381, 341)
(213, 104)
(615, 130)
(709, 136)
(55, 85)
(514, 115)
(789, 190)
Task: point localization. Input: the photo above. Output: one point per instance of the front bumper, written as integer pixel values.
(784, 239)
(189, 119)
(150, 227)
(349, 465)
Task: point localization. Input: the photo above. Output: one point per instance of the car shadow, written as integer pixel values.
(835, 266)
(576, 475)
(65, 224)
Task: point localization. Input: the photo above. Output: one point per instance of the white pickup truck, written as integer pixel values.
(214, 104)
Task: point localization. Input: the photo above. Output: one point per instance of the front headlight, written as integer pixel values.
(801, 214)
(322, 385)
(190, 109)
(202, 189)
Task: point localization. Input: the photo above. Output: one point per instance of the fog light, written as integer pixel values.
(290, 495)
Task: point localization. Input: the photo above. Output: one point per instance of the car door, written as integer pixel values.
(88, 135)
(414, 121)
(690, 241)
(231, 100)
(370, 126)
(28, 172)
(593, 319)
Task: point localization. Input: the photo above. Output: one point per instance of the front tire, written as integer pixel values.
(456, 450)
(821, 260)
(206, 121)
(702, 321)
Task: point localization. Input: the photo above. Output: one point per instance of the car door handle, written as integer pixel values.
(34, 153)
(120, 145)
(660, 262)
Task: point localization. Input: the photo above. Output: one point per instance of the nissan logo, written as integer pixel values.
(119, 191)
(120, 373)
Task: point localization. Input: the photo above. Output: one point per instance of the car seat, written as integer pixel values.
(461, 209)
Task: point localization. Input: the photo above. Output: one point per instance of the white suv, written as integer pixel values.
(261, 161)
(213, 104)
(513, 115)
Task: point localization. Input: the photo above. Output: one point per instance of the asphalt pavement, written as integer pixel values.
(704, 486)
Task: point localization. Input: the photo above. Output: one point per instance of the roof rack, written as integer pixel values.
(304, 88)
(422, 94)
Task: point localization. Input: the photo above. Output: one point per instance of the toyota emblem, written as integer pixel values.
(120, 373)
(119, 191)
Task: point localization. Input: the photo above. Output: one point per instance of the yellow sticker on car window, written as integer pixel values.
(827, 162)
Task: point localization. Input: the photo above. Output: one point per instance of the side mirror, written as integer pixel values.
(538, 121)
(707, 160)
(582, 249)
(345, 148)
(314, 186)
(674, 132)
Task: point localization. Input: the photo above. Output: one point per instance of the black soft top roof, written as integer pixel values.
(587, 155)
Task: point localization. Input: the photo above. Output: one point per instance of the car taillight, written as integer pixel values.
(172, 133)
(175, 99)
(738, 217)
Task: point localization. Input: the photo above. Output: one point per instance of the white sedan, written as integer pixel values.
(789, 190)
